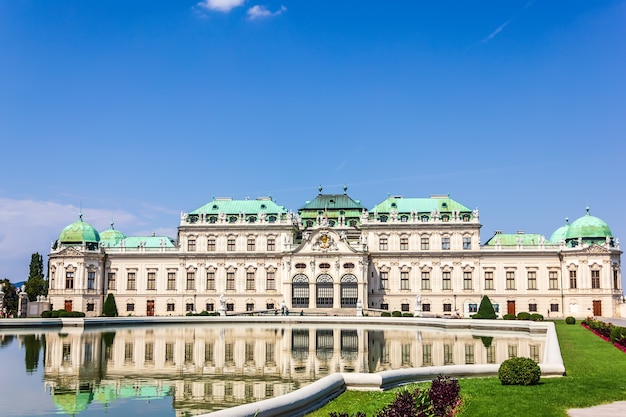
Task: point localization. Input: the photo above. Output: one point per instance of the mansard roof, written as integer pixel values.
(514, 239)
(439, 203)
(229, 206)
(332, 204)
(142, 242)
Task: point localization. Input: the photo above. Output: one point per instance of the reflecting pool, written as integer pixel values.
(186, 370)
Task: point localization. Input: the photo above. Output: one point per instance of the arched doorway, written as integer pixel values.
(324, 291)
(349, 292)
(300, 291)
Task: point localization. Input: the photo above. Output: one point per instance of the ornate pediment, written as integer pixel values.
(324, 241)
(69, 252)
(595, 248)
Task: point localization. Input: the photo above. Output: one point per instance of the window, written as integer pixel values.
(148, 355)
(210, 307)
(169, 352)
(404, 306)
(189, 307)
(532, 280)
(553, 280)
(130, 306)
(250, 281)
(171, 307)
(425, 243)
(510, 280)
(269, 306)
(554, 308)
(251, 244)
(131, 283)
(384, 306)
(595, 279)
(151, 281)
(249, 306)
(382, 243)
(445, 243)
(270, 280)
(230, 280)
(472, 308)
(171, 280)
(572, 279)
(271, 244)
(348, 265)
(91, 306)
(188, 352)
(404, 243)
(448, 357)
(512, 351)
(69, 280)
(230, 306)
(446, 280)
(111, 280)
(534, 353)
(91, 280)
(208, 353)
(128, 352)
(532, 308)
(615, 280)
(210, 244)
(191, 281)
(300, 266)
(491, 354)
(467, 280)
(406, 354)
(447, 307)
(469, 354)
(467, 243)
(427, 355)
(230, 244)
(404, 280)
(489, 280)
(425, 280)
(324, 266)
(384, 280)
(191, 245)
(426, 307)
(210, 280)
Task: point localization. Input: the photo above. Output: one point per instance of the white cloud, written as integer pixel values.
(259, 12)
(495, 32)
(221, 5)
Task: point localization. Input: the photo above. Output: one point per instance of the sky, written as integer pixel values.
(135, 111)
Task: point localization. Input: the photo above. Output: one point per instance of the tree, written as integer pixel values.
(36, 284)
(485, 311)
(10, 297)
(109, 309)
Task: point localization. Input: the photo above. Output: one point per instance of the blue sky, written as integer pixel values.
(133, 111)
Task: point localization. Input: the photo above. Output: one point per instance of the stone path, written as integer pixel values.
(617, 409)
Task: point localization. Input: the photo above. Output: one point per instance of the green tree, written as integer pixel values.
(10, 297)
(32, 347)
(36, 284)
(109, 309)
(485, 311)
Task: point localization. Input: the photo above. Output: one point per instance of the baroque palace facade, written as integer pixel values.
(416, 255)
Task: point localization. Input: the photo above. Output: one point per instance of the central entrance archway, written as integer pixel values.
(300, 291)
(324, 291)
(349, 293)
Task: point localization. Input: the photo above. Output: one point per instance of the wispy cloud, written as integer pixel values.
(221, 5)
(495, 32)
(261, 12)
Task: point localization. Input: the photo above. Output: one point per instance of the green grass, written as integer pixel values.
(595, 374)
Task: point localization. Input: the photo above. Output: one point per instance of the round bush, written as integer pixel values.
(519, 371)
(396, 314)
(509, 317)
(407, 314)
(46, 314)
(385, 314)
(523, 315)
(536, 317)
(570, 320)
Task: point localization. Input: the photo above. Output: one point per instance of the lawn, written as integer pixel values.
(595, 374)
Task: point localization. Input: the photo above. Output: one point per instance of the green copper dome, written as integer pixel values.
(587, 227)
(79, 232)
(110, 237)
(561, 233)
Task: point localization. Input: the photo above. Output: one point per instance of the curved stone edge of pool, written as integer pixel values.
(317, 394)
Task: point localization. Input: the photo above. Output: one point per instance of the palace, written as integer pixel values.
(413, 255)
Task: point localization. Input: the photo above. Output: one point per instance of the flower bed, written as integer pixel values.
(607, 331)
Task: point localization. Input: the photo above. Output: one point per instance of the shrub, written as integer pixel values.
(618, 335)
(536, 317)
(444, 395)
(385, 314)
(46, 314)
(407, 314)
(509, 317)
(336, 414)
(396, 314)
(570, 320)
(519, 371)
(485, 311)
(109, 309)
(522, 315)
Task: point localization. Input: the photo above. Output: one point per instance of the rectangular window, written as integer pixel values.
(406, 354)
(91, 280)
(210, 281)
(131, 283)
(269, 306)
(250, 281)
(230, 280)
(191, 281)
(404, 243)
(532, 280)
(188, 352)
(130, 307)
(384, 280)
(534, 353)
(171, 307)
(532, 308)
(230, 244)
(446, 280)
(510, 280)
(249, 306)
(405, 307)
(445, 243)
(425, 243)
(210, 244)
(467, 280)
(427, 355)
(512, 351)
(615, 280)
(384, 306)
(189, 307)
(148, 353)
(111, 280)
(271, 244)
(425, 280)
(208, 353)
(595, 279)
(426, 307)
(467, 243)
(469, 354)
(382, 243)
(91, 306)
(491, 354)
(489, 280)
(151, 281)
(210, 307)
(191, 245)
(270, 354)
(448, 357)
(404, 280)
(171, 280)
(230, 307)
(572, 280)
(472, 308)
(69, 280)
(554, 308)
(251, 244)
(270, 282)
(447, 308)
(128, 352)
(169, 352)
(553, 280)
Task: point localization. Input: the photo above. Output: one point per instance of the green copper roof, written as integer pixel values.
(79, 232)
(514, 239)
(72, 403)
(230, 206)
(588, 226)
(560, 233)
(111, 236)
(333, 205)
(144, 241)
(421, 205)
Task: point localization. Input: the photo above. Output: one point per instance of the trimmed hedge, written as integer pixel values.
(509, 317)
(485, 311)
(570, 320)
(536, 317)
(523, 315)
(53, 314)
(519, 371)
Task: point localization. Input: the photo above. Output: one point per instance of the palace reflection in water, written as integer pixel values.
(205, 368)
